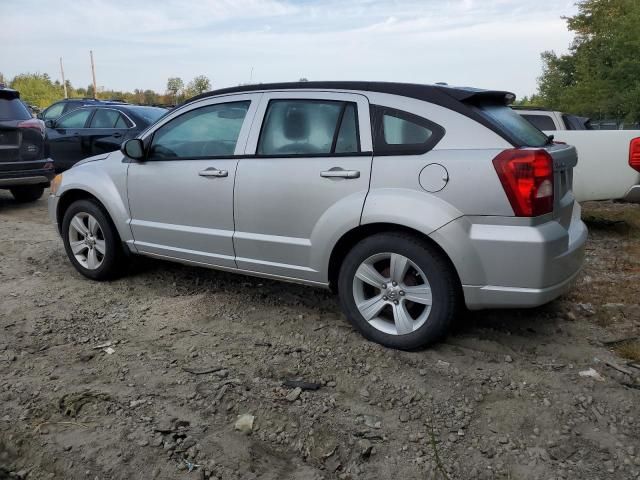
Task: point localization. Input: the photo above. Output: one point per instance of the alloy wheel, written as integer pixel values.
(392, 293)
(86, 240)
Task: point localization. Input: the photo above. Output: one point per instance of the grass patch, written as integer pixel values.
(629, 350)
(620, 218)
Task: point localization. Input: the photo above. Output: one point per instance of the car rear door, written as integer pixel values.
(107, 130)
(302, 182)
(66, 138)
(181, 197)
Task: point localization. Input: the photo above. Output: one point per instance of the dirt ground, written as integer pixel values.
(145, 377)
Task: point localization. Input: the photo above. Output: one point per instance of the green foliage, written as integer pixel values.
(600, 75)
(175, 85)
(198, 85)
(37, 89)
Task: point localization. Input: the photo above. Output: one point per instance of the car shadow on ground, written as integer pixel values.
(506, 326)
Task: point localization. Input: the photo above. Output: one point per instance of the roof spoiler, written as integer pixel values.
(9, 93)
(475, 95)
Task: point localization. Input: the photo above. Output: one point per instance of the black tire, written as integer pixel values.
(112, 265)
(444, 283)
(27, 193)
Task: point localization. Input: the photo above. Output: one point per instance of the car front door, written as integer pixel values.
(66, 142)
(302, 182)
(181, 196)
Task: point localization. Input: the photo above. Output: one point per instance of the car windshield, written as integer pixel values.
(150, 114)
(520, 129)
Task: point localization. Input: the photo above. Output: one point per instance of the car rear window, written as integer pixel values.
(150, 114)
(13, 109)
(523, 132)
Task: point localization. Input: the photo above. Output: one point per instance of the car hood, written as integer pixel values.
(102, 156)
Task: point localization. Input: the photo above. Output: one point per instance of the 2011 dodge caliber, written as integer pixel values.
(411, 201)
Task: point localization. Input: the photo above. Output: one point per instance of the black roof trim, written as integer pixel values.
(429, 93)
(463, 100)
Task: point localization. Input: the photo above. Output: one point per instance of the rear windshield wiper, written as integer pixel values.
(550, 139)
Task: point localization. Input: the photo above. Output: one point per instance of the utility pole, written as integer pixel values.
(64, 83)
(93, 73)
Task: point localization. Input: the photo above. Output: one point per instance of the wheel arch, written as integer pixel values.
(71, 195)
(353, 236)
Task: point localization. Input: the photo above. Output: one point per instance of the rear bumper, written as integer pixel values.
(633, 195)
(504, 266)
(37, 172)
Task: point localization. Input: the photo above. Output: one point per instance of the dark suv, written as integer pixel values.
(56, 110)
(25, 166)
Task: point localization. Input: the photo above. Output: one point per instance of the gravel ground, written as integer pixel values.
(177, 372)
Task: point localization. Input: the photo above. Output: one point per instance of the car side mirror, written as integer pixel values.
(50, 123)
(133, 148)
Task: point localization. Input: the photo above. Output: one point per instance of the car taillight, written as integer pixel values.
(527, 178)
(33, 123)
(634, 154)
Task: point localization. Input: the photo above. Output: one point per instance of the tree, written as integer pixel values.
(37, 89)
(599, 75)
(174, 86)
(198, 85)
(150, 97)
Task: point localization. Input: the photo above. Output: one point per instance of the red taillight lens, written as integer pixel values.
(527, 179)
(33, 123)
(634, 154)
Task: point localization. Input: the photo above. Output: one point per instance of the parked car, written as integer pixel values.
(609, 160)
(59, 108)
(96, 129)
(25, 166)
(409, 200)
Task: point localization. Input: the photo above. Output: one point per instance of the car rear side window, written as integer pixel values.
(205, 132)
(104, 118)
(309, 127)
(520, 130)
(122, 122)
(397, 132)
(13, 109)
(75, 119)
(541, 122)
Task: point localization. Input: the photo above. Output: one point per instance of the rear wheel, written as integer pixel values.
(27, 193)
(398, 291)
(91, 241)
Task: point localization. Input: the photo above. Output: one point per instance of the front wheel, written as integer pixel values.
(27, 193)
(398, 290)
(91, 241)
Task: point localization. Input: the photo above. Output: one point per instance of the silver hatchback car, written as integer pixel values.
(411, 201)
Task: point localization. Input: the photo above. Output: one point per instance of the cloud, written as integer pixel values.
(491, 43)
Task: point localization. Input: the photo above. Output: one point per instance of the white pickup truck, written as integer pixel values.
(608, 160)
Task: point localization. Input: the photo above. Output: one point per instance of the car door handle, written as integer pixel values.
(213, 172)
(117, 135)
(340, 173)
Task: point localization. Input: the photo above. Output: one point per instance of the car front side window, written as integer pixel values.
(76, 119)
(205, 132)
(54, 111)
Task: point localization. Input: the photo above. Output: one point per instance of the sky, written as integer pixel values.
(140, 43)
